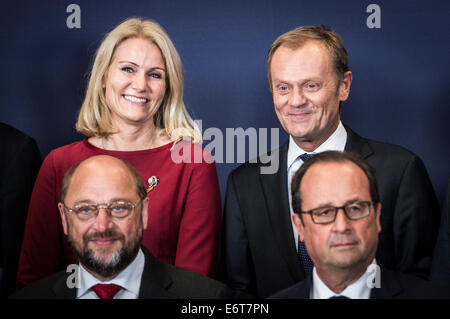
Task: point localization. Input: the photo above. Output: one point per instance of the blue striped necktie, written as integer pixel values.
(302, 253)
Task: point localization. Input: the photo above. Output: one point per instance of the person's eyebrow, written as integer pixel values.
(137, 65)
(120, 199)
(83, 201)
(329, 204)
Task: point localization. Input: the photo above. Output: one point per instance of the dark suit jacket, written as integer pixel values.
(159, 281)
(393, 286)
(258, 249)
(19, 165)
(440, 271)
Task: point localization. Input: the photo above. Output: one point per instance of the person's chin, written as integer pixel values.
(137, 118)
(346, 256)
(344, 263)
(105, 257)
(299, 133)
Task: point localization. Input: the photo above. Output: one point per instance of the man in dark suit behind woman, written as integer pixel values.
(337, 214)
(104, 212)
(19, 165)
(310, 78)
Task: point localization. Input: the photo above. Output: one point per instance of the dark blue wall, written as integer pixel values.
(400, 91)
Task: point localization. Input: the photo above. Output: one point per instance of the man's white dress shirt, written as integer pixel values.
(360, 289)
(129, 279)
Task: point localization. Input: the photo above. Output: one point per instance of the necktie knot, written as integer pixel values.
(106, 291)
(305, 156)
(339, 297)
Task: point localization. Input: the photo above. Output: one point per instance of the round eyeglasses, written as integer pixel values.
(117, 209)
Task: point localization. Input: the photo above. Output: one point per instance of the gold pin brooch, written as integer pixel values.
(152, 182)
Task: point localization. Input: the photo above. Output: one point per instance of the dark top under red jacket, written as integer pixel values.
(184, 209)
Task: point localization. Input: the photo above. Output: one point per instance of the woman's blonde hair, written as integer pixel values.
(94, 118)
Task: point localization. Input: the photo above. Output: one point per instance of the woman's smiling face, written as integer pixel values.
(135, 83)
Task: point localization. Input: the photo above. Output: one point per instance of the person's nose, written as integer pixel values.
(103, 221)
(341, 223)
(297, 98)
(140, 82)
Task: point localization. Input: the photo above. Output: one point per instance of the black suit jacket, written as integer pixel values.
(19, 165)
(258, 249)
(392, 286)
(159, 281)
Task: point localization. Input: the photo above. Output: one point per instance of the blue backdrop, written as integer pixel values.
(400, 91)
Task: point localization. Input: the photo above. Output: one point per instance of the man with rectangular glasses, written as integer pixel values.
(310, 79)
(337, 214)
(104, 211)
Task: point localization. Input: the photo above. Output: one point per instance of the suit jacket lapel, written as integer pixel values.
(155, 280)
(390, 286)
(357, 144)
(277, 201)
(61, 290)
(303, 289)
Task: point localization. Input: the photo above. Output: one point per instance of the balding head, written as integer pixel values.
(106, 165)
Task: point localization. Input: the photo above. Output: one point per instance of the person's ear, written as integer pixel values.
(344, 87)
(63, 217)
(144, 214)
(298, 225)
(378, 215)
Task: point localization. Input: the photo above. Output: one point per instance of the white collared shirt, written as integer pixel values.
(129, 279)
(360, 289)
(336, 142)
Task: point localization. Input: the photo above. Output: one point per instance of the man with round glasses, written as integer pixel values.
(337, 214)
(104, 211)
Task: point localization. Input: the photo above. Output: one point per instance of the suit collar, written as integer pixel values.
(357, 144)
(390, 286)
(155, 280)
(304, 289)
(277, 203)
(61, 289)
(301, 290)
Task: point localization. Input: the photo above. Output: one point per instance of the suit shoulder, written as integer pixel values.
(391, 152)
(188, 284)
(414, 287)
(381, 152)
(11, 139)
(11, 133)
(252, 168)
(296, 291)
(41, 289)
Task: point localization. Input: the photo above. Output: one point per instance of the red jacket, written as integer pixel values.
(184, 210)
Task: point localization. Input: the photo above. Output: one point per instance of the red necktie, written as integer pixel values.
(106, 291)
